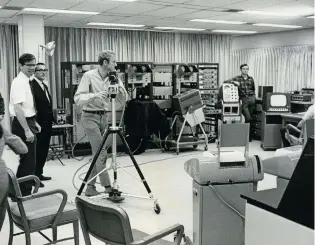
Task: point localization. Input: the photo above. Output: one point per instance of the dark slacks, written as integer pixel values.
(248, 107)
(27, 161)
(42, 146)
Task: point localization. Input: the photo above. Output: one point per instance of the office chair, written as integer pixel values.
(39, 211)
(110, 224)
(306, 132)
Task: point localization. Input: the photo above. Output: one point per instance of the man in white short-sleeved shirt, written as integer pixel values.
(24, 125)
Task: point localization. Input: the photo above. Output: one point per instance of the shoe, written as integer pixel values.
(43, 178)
(108, 189)
(91, 191)
(41, 185)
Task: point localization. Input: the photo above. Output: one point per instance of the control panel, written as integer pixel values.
(230, 93)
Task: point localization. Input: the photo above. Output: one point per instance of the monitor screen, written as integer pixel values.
(278, 100)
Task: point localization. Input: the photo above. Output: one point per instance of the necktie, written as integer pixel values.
(30, 82)
(46, 91)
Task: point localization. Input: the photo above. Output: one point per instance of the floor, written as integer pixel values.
(165, 175)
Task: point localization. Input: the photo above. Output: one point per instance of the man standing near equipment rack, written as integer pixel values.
(246, 88)
(92, 95)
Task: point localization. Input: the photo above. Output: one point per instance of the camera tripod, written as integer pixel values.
(115, 195)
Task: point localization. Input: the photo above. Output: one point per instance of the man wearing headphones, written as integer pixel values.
(92, 95)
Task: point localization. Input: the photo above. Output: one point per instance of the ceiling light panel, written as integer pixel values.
(113, 24)
(234, 31)
(256, 12)
(277, 25)
(219, 21)
(178, 28)
(59, 11)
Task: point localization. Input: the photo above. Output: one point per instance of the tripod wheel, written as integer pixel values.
(157, 208)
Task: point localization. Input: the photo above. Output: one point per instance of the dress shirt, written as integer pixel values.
(87, 93)
(21, 93)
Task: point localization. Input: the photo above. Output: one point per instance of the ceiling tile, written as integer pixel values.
(54, 4)
(19, 3)
(203, 14)
(171, 11)
(66, 17)
(97, 5)
(291, 7)
(147, 20)
(103, 18)
(135, 8)
(254, 4)
(212, 3)
(7, 13)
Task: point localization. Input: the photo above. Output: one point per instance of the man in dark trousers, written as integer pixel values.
(24, 124)
(44, 118)
(246, 88)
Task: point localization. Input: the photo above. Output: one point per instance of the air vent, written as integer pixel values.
(232, 10)
(12, 8)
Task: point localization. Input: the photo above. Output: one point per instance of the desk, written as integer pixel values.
(63, 131)
(300, 106)
(292, 118)
(266, 225)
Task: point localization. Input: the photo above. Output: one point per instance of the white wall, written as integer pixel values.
(274, 39)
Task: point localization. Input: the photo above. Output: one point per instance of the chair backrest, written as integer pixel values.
(234, 134)
(14, 192)
(308, 129)
(108, 223)
(14, 188)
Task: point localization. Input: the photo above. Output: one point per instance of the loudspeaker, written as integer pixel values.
(263, 90)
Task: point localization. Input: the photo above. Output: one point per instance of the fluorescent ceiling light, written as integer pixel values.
(310, 17)
(234, 31)
(112, 24)
(59, 11)
(219, 21)
(276, 25)
(178, 28)
(269, 13)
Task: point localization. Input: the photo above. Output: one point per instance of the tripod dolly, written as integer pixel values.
(115, 195)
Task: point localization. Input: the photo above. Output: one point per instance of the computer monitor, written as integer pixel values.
(297, 203)
(277, 102)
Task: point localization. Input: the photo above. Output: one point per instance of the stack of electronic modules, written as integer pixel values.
(208, 86)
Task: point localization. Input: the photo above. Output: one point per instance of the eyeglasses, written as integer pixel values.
(29, 65)
(42, 70)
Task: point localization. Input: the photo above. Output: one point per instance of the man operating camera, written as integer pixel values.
(93, 96)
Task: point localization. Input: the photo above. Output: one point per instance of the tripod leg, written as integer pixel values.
(134, 162)
(107, 133)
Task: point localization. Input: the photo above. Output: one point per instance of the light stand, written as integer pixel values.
(115, 195)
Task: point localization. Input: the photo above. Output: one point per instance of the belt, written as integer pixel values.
(96, 112)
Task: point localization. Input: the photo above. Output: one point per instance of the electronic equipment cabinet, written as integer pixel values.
(256, 125)
(208, 84)
(271, 124)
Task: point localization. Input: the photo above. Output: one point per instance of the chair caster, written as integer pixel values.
(157, 208)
